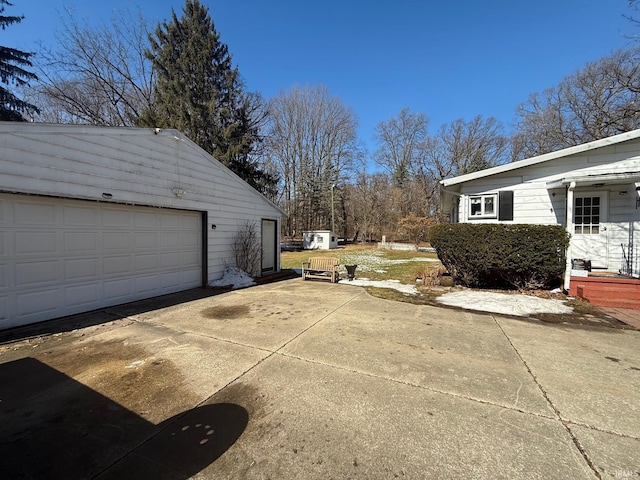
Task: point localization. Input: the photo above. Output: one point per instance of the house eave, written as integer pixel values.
(577, 149)
(595, 180)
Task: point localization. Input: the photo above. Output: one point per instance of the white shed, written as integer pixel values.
(319, 240)
(98, 216)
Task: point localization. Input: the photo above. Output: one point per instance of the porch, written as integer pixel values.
(607, 290)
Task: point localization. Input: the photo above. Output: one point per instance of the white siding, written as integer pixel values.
(535, 203)
(134, 166)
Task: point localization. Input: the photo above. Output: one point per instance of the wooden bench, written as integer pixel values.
(325, 268)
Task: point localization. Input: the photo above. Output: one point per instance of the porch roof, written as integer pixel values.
(596, 180)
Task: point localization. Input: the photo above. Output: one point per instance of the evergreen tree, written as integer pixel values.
(12, 63)
(199, 92)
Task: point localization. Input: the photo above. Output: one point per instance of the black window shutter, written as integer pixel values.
(505, 205)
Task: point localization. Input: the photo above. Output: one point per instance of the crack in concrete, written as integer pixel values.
(565, 423)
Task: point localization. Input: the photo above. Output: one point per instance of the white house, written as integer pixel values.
(99, 216)
(592, 189)
(319, 240)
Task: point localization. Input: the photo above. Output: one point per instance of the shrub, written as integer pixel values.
(247, 249)
(498, 255)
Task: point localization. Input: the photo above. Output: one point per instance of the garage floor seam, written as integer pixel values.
(564, 422)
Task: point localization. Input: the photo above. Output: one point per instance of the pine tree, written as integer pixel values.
(12, 71)
(199, 92)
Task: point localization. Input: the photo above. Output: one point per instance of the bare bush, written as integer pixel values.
(247, 249)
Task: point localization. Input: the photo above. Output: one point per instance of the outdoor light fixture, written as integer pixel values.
(179, 192)
(107, 195)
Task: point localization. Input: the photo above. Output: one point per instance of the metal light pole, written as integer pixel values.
(333, 223)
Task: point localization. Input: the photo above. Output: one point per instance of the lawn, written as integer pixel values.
(373, 263)
(405, 266)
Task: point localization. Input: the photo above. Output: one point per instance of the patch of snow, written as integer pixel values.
(520, 305)
(394, 284)
(235, 277)
(374, 261)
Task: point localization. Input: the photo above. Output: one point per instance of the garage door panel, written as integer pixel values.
(117, 242)
(192, 239)
(80, 242)
(37, 302)
(120, 290)
(79, 216)
(171, 260)
(81, 268)
(117, 218)
(33, 273)
(120, 265)
(59, 257)
(145, 220)
(146, 262)
(170, 222)
(170, 240)
(170, 280)
(84, 295)
(190, 223)
(35, 213)
(148, 283)
(191, 276)
(190, 259)
(146, 240)
(4, 311)
(35, 243)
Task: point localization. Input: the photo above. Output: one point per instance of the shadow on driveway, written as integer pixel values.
(52, 426)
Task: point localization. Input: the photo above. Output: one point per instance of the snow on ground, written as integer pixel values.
(516, 304)
(394, 284)
(376, 262)
(235, 277)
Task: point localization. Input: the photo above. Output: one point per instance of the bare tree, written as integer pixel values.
(400, 144)
(472, 145)
(368, 205)
(96, 75)
(401, 150)
(601, 100)
(312, 141)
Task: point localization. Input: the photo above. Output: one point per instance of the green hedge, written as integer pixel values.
(498, 255)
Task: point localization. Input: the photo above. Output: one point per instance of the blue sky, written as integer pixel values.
(445, 59)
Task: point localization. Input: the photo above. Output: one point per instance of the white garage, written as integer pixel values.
(95, 216)
(66, 256)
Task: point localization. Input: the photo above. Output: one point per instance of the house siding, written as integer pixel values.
(535, 203)
(134, 166)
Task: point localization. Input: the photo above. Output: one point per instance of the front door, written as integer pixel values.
(589, 239)
(269, 243)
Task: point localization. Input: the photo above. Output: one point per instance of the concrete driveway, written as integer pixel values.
(315, 380)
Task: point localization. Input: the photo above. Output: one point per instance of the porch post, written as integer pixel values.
(569, 228)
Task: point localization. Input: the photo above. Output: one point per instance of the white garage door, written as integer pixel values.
(59, 257)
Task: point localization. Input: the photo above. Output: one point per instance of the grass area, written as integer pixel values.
(380, 264)
(373, 263)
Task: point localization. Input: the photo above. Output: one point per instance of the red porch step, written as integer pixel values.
(607, 291)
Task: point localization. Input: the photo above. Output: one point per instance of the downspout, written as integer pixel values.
(569, 228)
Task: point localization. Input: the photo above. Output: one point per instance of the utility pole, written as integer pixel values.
(333, 223)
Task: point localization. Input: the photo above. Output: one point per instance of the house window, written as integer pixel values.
(482, 206)
(586, 216)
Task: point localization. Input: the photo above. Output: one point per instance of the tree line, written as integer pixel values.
(300, 148)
